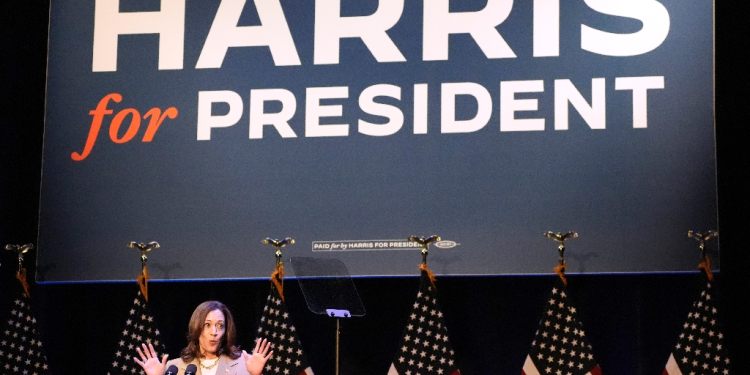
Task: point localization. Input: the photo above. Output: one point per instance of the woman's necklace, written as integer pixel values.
(209, 366)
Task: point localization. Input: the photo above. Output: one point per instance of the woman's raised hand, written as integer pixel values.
(150, 361)
(254, 363)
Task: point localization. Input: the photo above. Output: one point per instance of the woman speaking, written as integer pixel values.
(211, 348)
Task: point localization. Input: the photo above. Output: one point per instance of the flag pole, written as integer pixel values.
(425, 242)
(425, 332)
(702, 333)
(24, 350)
(561, 238)
(277, 277)
(143, 248)
(21, 273)
(702, 238)
(560, 333)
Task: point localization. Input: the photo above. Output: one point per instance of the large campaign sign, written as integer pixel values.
(350, 125)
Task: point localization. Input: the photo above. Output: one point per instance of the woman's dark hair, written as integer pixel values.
(195, 328)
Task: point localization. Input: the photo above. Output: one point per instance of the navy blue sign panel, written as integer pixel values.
(351, 125)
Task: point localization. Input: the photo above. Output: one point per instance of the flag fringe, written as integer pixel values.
(21, 276)
(560, 270)
(277, 278)
(431, 275)
(706, 266)
(143, 282)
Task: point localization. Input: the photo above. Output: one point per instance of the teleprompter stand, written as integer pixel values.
(328, 290)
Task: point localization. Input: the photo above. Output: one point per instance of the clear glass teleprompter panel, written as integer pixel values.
(327, 286)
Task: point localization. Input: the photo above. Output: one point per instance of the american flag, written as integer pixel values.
(139, 328)
(700, 349)
(561, 346)
(276, 326)
(20, 349)
(425, 348)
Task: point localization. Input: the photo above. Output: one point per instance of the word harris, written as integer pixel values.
(438, 24)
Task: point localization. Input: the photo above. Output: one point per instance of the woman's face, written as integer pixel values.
(213, 330)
